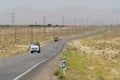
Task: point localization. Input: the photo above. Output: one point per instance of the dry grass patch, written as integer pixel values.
(25, 35)
(94, 58)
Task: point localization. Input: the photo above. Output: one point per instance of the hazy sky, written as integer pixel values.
(55, 4)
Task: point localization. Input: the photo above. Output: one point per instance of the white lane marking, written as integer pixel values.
(23, 74)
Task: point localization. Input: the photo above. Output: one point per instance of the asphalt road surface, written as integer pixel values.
(24, 67)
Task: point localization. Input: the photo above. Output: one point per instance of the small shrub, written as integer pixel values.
(103, 51)
(61, 77)
(101, 78)
(57, 71)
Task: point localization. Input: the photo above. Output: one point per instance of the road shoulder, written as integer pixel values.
(46, 73)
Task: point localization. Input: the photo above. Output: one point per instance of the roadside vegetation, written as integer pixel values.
(93, 58)
(15, 40)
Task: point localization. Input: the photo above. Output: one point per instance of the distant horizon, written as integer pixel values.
(56, 4)
(77, 7)
(26, 6)
(85, 11)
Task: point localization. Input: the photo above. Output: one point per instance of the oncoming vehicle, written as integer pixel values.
(35, 47)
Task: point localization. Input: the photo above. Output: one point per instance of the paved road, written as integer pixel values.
(23, 67)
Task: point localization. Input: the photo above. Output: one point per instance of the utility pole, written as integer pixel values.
(13, 18)
(54, 31)
(75, 23)
(2, 35)
(13, 24)
(95, 23)
(32, 33)
(117, 21)
(81, 25)
(26, 33)
(44, 22)
(87, 23)
(35, 23)
(63, 23)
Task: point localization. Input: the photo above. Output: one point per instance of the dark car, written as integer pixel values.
(35, 47)
(56, 39)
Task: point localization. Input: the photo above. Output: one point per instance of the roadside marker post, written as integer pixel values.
(64, 66)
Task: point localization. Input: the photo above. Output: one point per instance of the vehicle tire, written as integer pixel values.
(39, 51)
(31, 51)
